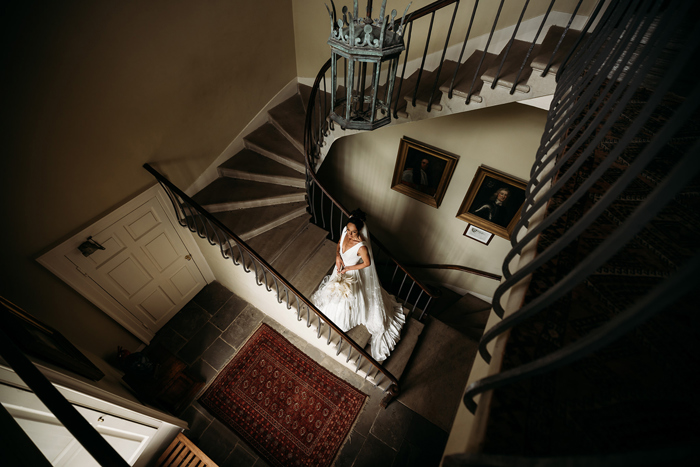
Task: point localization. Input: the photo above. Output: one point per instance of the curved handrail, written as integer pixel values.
(661, 297)
(312, 177)
(457, 267)
(300, 298)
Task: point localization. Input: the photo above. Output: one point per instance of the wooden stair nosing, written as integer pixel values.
(254, 203)
(255, 177)
(276, 223)
(276, 148)
(291, 110)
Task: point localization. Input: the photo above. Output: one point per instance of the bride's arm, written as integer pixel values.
(364, 254)
(338, 259)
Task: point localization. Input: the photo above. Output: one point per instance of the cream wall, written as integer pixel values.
(93, 90)
(312, 24)
(359, 170)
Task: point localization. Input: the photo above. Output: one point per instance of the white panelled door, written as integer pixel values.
(144, 266)
(58, 445)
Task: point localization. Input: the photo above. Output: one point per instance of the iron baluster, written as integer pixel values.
(486, 50)
(561, 39)
(510, 44)
(464, 46)
(425, 310)
(417, 300)
(442, 59)
(532, 46)
(425, 54)
(403, 72)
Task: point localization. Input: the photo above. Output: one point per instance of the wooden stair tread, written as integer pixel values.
(288, 118)
(468, 315)
(269, 142)
(406, 85)
(250, 165)
(540, 60)
(307, 279)
(271, 243)
(427, 83)
(298, 252)
(511, 66)
(247, 223)
(399, 358)
(465, 75)
(226, 194)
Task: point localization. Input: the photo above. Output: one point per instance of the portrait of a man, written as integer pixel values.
(422, 171)
(493, 201)
(496, 208)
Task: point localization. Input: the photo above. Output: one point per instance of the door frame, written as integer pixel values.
(56, 261)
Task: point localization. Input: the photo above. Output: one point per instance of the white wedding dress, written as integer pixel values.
(356, 298)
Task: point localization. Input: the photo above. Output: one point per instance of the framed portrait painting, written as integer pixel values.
(423, 171)
(493, 202)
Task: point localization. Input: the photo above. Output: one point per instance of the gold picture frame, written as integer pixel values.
(493, 202)
(424, 181)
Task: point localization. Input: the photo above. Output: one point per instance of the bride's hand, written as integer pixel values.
(343, 270)
(338, 263)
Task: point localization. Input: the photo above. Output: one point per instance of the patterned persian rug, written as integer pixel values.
(286, 406)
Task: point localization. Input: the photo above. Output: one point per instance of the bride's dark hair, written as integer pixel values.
(357, 217)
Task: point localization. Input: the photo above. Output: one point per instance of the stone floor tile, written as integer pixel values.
(189, 320)
(218, 442)
(169, 339)
(374, 453)
(228, 312)
(348, 453)
(197, 421)
(411, 455)
(212, 297)
(392, 424)
(314, 353)
(427, 436)
(370, 410)
(261, 463)
(243, 326)
(218, 354)
(240, 457)
(342, 372)
(199, 343)
(202, 370)
(296, 341)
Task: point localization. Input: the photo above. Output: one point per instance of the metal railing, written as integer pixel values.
(199, 221)
(324, 207)
(433, 8)
(66, 414)
(598, 83)
(328, 212)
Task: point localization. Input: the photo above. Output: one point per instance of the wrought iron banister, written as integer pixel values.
(198, 220)
(601, 80)
(457, 267)
(313, 140)
(71, 419)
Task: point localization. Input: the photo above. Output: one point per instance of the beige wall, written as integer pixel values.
(359, 171)
(91, 91)
(312, 24)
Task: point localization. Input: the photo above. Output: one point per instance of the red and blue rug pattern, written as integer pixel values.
(286, 406)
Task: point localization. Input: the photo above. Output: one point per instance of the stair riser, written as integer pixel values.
(285, 181)
(289, 137)
(233, 206)
(279, 221)
(276, 157)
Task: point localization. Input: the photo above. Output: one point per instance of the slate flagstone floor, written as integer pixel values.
(209, 330)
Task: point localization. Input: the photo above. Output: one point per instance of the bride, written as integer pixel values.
(351, 295)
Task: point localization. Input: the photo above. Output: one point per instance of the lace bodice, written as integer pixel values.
(350, 256)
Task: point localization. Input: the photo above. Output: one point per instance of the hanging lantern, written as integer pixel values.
(360, 100)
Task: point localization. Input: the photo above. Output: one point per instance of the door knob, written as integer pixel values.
(188, 257)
